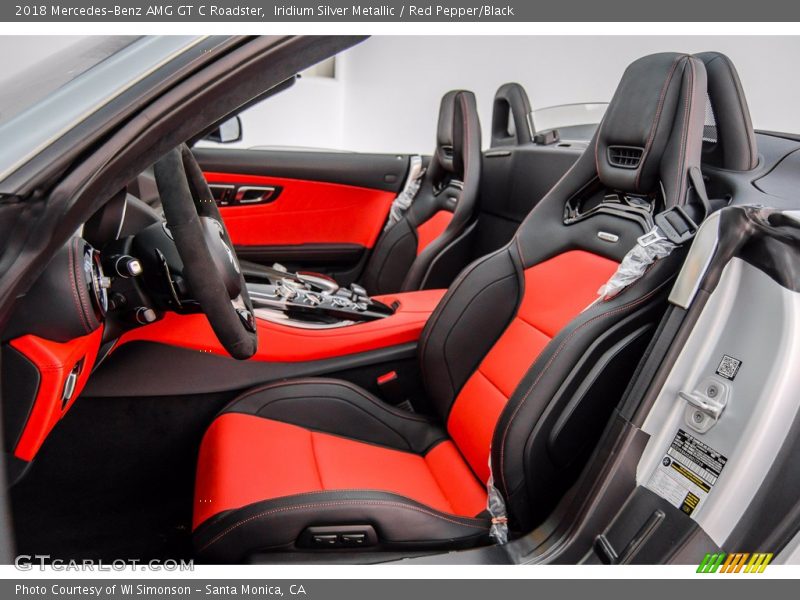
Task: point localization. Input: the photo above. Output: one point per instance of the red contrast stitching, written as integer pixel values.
(656, 118)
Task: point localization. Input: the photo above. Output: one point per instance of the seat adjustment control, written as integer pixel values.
(334, 537)
(353, 539)
(325, 540)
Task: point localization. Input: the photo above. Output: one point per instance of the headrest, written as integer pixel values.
(458, 126)
(511, 114)
(466, 132)
(730, 140)
(652, 131)
(444, 130)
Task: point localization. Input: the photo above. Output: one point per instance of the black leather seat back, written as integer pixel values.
(517, 356)
(729, 140)
(511, 116)
(407, 254)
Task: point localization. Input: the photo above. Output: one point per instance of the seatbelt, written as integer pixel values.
(402, 202)
(672, 228)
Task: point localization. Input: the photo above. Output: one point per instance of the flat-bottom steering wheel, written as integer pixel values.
(210, 266)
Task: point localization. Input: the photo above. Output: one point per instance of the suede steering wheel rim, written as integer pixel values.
(188, 208)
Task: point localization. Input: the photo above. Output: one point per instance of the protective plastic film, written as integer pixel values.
(497, 508)
(404, 199)
(648, 249)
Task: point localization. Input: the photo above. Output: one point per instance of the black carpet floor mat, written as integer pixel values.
(115, 480)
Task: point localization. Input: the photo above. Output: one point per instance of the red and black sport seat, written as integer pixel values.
(521, 362)
(406, 255)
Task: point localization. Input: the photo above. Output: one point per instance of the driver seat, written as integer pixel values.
(521, 362)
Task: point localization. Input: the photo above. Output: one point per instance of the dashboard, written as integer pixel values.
(119, 283)
(67, 322)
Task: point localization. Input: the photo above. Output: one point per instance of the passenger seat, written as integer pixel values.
(410, 254)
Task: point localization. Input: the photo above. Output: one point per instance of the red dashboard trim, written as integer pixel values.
(280, 343)
(54, 361)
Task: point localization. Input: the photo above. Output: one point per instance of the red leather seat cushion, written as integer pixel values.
(246, 459)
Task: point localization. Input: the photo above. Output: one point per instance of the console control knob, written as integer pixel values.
(313, 298)
(286, 291)
(127, 266)
(145, 315)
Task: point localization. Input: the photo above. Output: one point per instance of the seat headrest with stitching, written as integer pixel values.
(652, 130)
(450, 137)
(444, 130)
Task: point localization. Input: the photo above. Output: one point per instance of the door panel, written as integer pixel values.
(318, 211)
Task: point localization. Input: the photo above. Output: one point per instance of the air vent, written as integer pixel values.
(625, 157)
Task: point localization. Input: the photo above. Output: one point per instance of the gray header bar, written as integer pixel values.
(420, 11)
(731, 588)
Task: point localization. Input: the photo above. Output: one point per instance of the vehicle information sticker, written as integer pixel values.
(687, 472)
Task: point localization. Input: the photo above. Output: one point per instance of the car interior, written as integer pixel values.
(267, 355)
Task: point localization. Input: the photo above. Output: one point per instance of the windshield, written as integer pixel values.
(576, 121)
(26, 81)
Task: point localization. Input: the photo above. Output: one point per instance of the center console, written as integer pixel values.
(303, 317)
(312, 300)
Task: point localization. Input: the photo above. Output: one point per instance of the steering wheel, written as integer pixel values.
(210, 266)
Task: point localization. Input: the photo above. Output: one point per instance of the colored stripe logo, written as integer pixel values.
(737, 562)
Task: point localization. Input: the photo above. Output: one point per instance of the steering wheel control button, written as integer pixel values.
(144, 315)
(127, 266)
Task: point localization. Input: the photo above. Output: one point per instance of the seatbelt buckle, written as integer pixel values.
(676, 225)
(650, 238)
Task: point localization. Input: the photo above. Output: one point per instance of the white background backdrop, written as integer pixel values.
(385, 94)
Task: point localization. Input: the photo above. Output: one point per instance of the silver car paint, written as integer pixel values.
(33, 130)
(751, 317)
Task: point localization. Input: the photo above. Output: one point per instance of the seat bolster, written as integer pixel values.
(391, 259)
(276, 524)
(525, 460)
(340, 408)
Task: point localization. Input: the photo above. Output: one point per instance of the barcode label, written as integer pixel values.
(728, 367)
